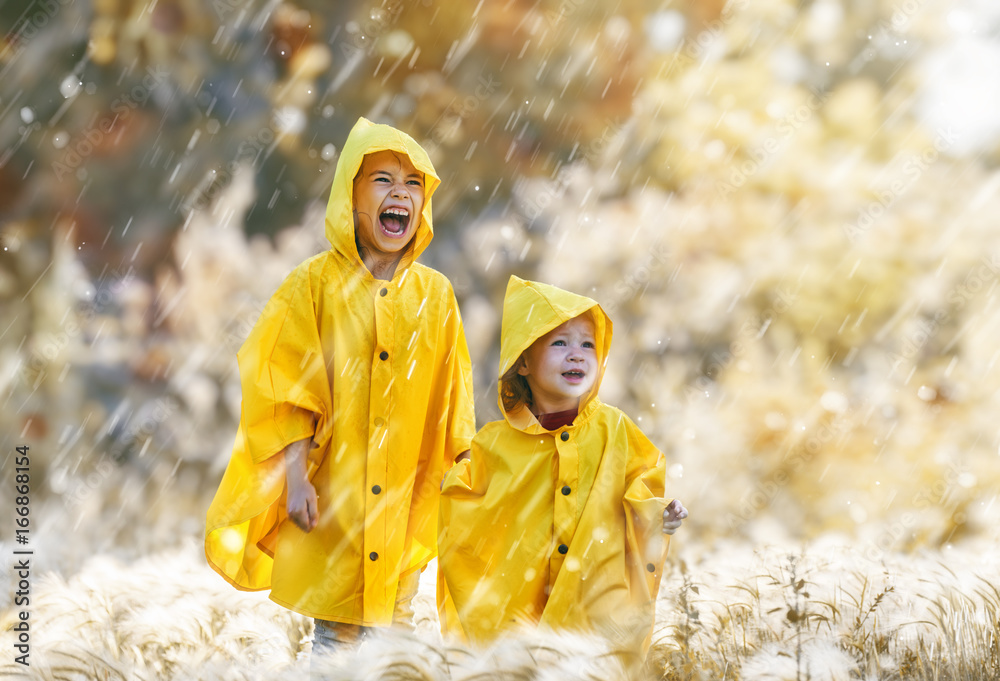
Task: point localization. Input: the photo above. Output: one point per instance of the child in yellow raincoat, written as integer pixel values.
(357, 397)
(557, 519)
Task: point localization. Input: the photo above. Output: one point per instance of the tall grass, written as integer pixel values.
(826, 615)
(726, 613)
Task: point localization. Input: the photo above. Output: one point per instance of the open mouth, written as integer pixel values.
(394, 221)
(573, 375)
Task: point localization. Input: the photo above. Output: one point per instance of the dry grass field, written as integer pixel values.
(731, 611)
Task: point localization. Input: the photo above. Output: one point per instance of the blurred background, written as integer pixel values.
(789, 208)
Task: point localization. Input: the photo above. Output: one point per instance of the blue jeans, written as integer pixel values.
(330, 636)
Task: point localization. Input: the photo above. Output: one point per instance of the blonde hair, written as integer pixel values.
(514, 389)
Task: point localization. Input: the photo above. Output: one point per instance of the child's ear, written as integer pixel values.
(522, 368)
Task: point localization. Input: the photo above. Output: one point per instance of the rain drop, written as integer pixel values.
(290, 120)
(70, 86)
(834, 401)
(27, 115)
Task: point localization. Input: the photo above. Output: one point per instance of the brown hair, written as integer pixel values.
(514, 389)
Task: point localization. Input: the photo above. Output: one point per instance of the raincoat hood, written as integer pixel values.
(369, 138)
(532, 309)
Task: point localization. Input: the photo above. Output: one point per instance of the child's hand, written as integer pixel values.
(673, 514)
(302, 505)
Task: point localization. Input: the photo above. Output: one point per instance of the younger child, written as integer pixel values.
(557, 519)
(357, 397)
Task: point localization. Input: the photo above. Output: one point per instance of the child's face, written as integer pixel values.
(561, 366)
(388, 198)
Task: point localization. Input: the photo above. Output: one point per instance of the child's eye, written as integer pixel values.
(381, 179)
(559, 342)
(414, 182)
(588, 344)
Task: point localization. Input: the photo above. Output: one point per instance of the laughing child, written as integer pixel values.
(557, 519)
(357, 397)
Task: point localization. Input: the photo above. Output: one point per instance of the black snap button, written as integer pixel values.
(383, 355)
(566, 490)
(376, 490)
(384, 292)
(563, 549)
(650, 567)
(564, 436)
(373, 555)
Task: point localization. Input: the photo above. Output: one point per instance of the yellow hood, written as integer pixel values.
(369, 138)
(532, 309)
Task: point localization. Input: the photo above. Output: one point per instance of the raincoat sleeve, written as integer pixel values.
(645, 502)
(286, 398)
(286, 390)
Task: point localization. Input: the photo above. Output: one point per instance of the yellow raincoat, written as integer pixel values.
(378, 374)
(560, 529)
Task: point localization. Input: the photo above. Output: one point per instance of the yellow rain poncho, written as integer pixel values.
(378, 374)
(560, 529)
